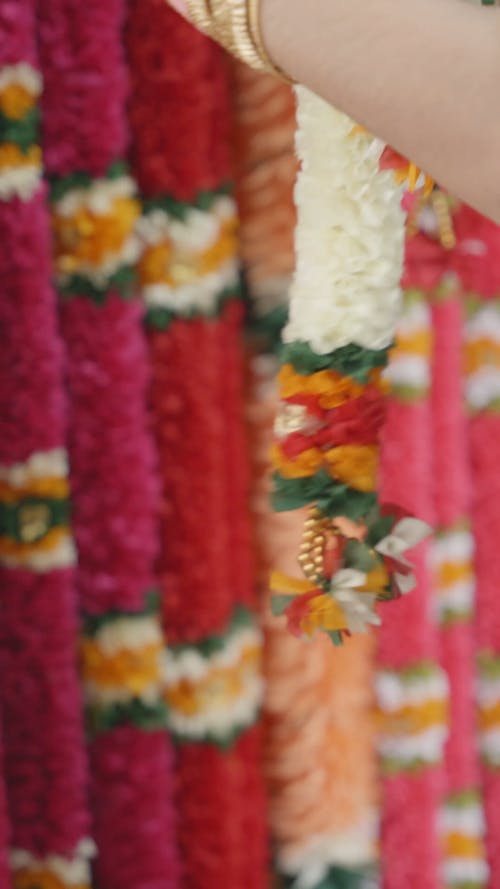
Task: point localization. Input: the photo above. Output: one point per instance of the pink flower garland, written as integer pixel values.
(409, 679)
(111, 455)
(477, 264)
(45, 765)
(462, 814)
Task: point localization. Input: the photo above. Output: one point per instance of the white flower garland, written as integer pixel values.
(349, 238)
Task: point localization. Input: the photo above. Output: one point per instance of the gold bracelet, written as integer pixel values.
(235, 25)
(200, 15)
(255, 32)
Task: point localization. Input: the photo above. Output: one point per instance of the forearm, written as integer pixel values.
(423, 75)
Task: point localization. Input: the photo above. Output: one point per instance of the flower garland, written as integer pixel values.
(4, 826)
(20, 156)
(411, 685)
(323, 818)
(44, 757)
(477, 265)
(188, 262)
(345, 300)
(214, 689)
(462, 819)
(265, 173)
(189, 279)
(95, 210)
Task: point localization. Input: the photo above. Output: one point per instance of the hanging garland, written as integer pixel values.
(321, 780)
(411, 685)
(462, 818)
(477, 265)
(189, 275)
(94, 212)
(345, 301)
(44, 758)
(265, 172)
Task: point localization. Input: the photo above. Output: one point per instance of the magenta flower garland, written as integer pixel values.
(44, 755)
(4, 828)
(114, 488)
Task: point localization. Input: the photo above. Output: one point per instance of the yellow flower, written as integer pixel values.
(51, 487)
(329, 387)
(16, 101)
(325, 613)
(11, 549)
(11, 156)
(223, 250)
(355, 465)
(219, 688)
(134, 670)
(40, 878)
(418, 343)
(305, 465)
(153, 265)
(87, 237)
(457, 845)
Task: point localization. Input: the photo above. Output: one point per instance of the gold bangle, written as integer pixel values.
(222, 24)
(255, 32)
(235, 25)
(200, 15)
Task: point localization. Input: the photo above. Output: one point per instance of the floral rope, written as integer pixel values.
(411, 686)
(4, 827)
(345, 300)
(190, 286)
(265, 174)
(94, 214)
(477, 266)
(44, 758)
(322, 788)
(462, 817)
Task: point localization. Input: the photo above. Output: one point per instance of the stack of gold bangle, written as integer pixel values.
(235, 24)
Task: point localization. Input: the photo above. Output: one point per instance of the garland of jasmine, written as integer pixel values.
(42, 733)
(94, 214)
(345, 301)
(189, 282)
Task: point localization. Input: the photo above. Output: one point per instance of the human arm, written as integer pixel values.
(423, 75)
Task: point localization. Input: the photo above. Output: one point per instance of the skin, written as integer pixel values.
(423, 75)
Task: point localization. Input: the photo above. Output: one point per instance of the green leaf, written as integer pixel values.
(351, 360)
(358, 555)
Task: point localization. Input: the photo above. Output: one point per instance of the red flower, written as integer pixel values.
(298, 610)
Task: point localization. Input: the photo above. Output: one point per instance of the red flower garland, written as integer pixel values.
(205, 564)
